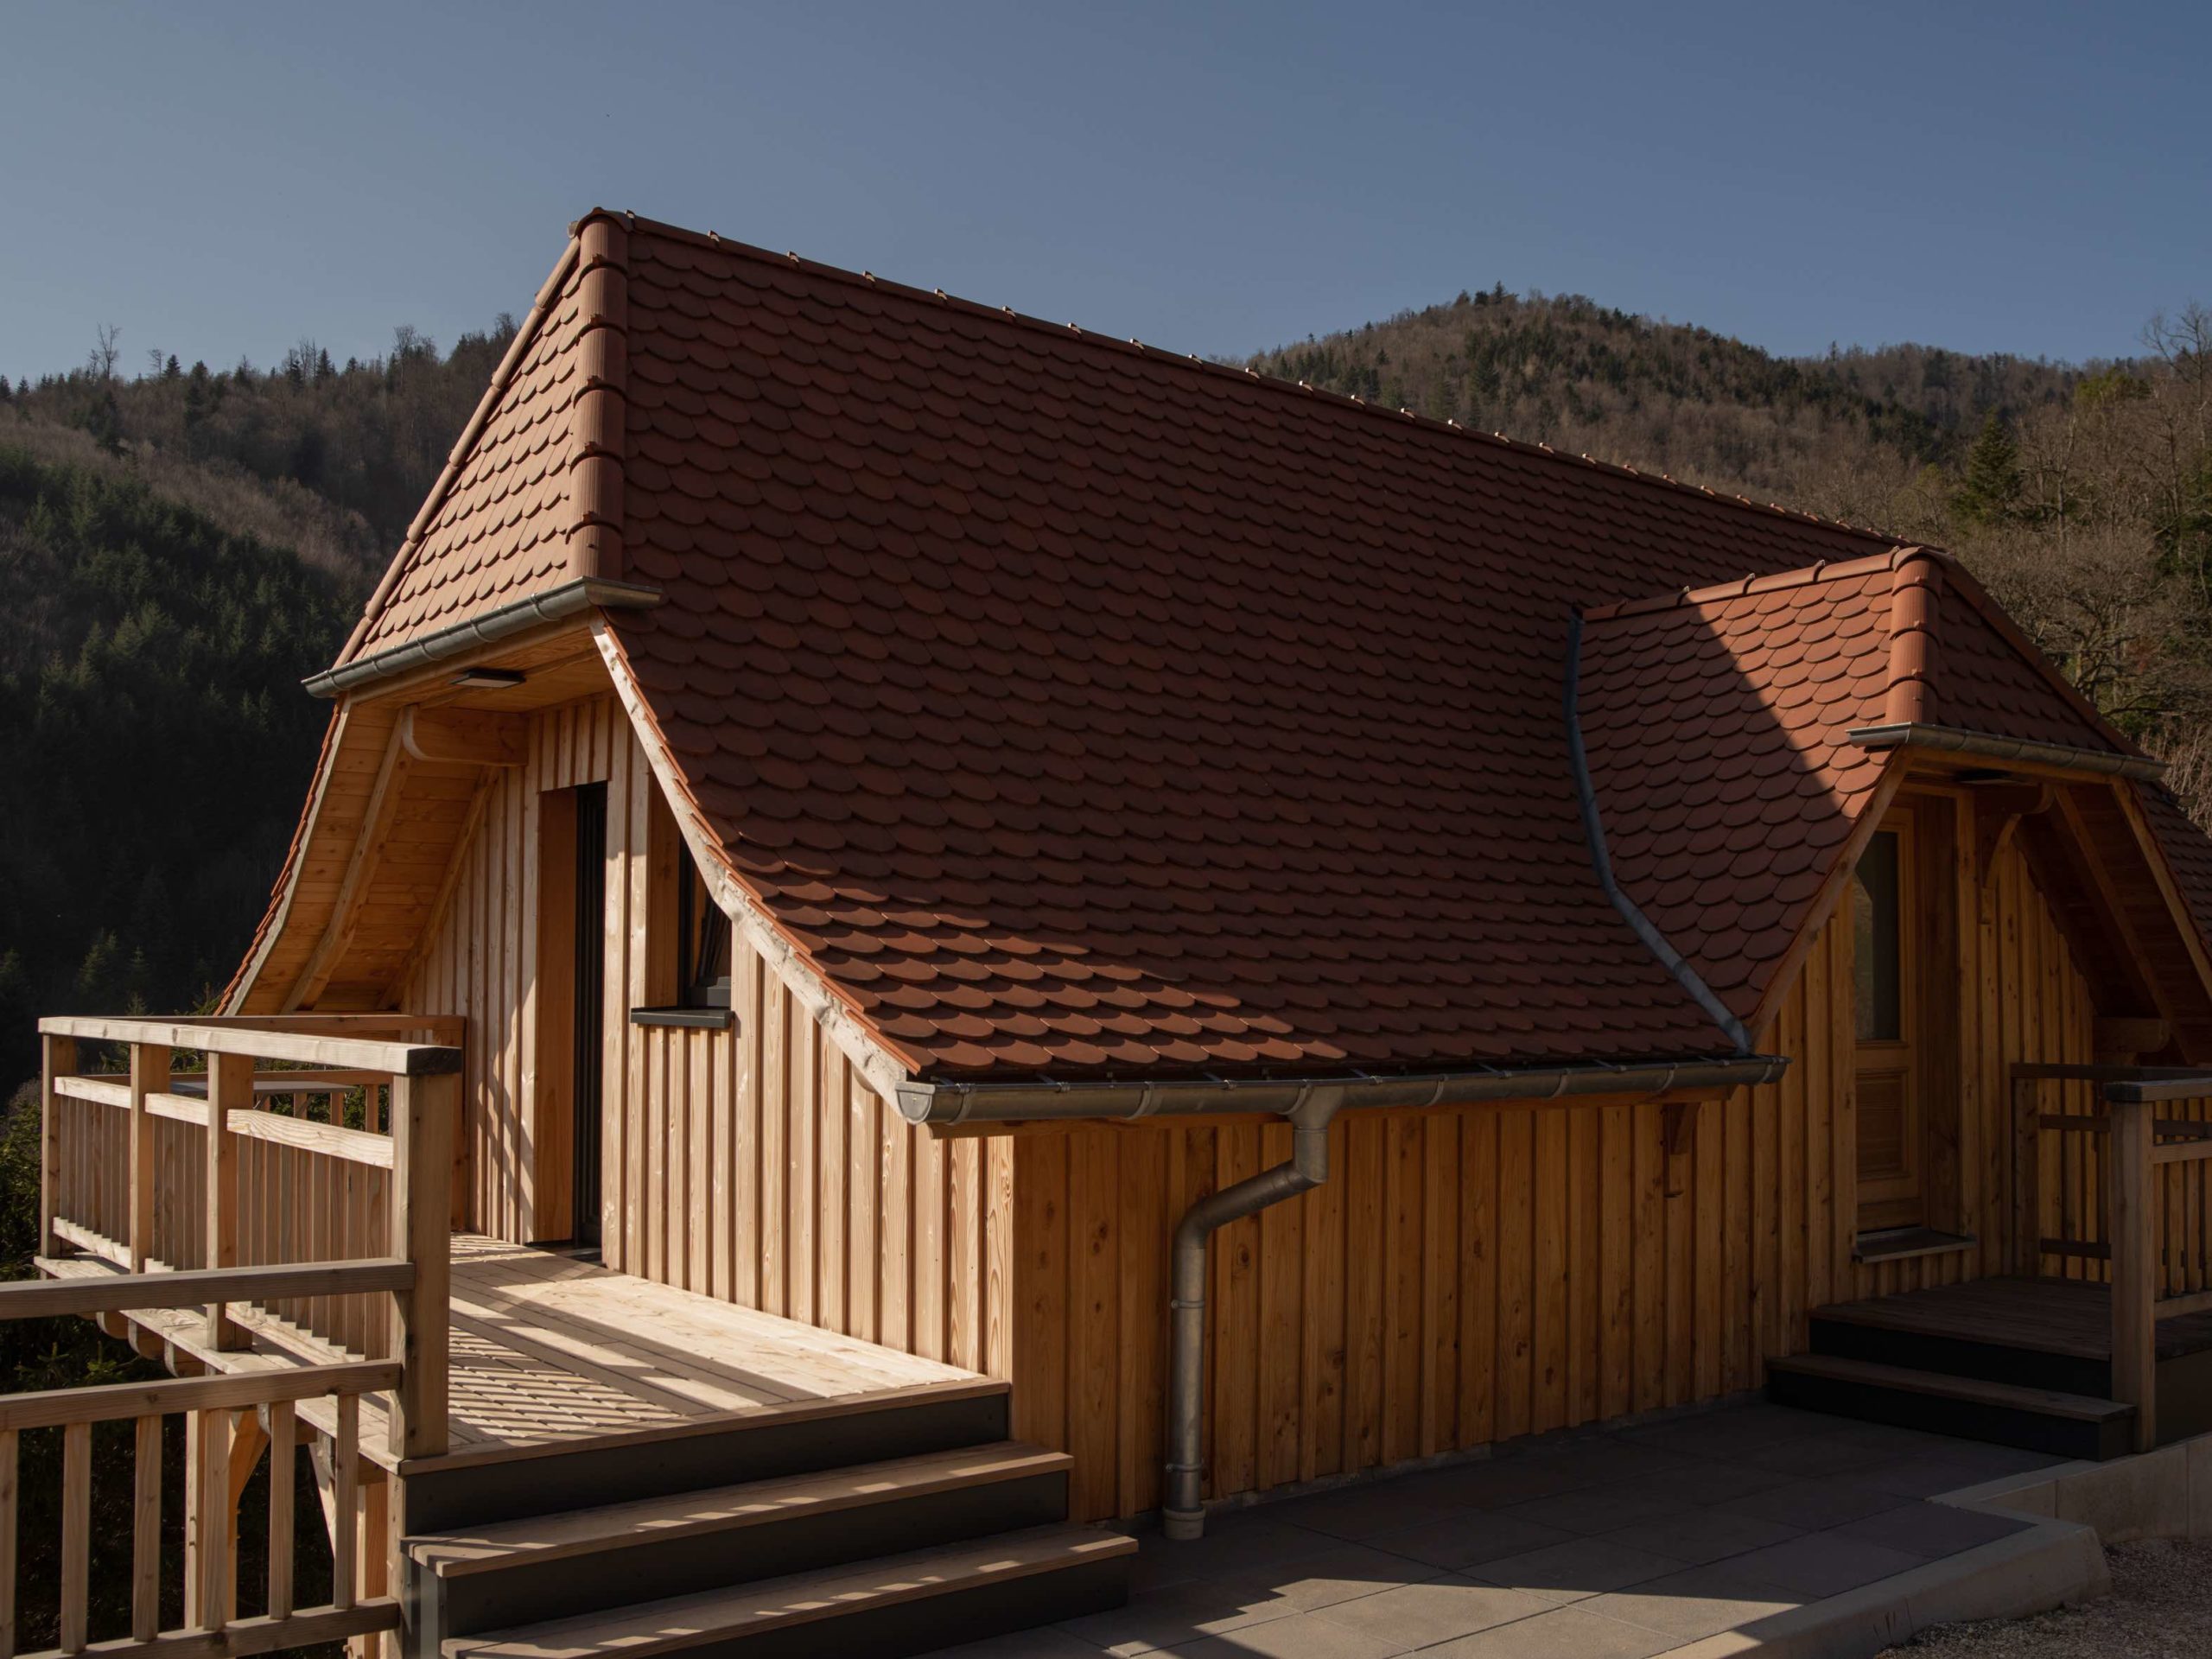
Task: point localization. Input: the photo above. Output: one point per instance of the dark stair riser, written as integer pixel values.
(939, 1621)
(529, 1592)
(1969, 1420)
(590, 1477)
(1956, 1357)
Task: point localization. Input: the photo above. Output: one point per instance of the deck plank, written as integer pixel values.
(546, 1348)
(2071, 1317)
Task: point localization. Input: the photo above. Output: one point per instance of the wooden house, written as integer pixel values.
(918, 928)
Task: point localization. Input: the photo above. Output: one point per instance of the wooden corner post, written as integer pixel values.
(149, 1075)
(61, 1060)
(424, 1111)
(2134, 1267)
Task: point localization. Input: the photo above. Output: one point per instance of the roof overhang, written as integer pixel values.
(1989, 746)
(488, 627)
(943, 1103)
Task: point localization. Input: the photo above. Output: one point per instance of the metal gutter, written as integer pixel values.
(1045, 1098)
(1989, 745)
(1593, 830)
(554, 605)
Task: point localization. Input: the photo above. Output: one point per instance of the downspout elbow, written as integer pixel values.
(1183, 1510)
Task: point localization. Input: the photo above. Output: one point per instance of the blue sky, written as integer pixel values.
(222, 179)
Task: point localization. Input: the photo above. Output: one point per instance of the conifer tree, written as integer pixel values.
(1990, 493)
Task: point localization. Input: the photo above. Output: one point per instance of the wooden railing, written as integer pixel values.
(292, 1187)
(2116, 1184)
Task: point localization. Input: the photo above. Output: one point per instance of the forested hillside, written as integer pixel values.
(179, 546)
(176, 552)
(2082, 494)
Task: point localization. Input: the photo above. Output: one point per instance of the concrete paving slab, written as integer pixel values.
(1577, 1569)
(1421, 1615)
(1563, 1633)
(1453, 1563)
(1700, 1535)
(1699, 1601)
(1452, 1543)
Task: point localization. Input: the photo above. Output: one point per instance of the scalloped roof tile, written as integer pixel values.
(1076, 707)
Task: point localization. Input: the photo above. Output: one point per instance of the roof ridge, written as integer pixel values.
(1959, 579)
(599, 415)
(1006, 314)
(410, 544)
(1914, 583)
(1746, 586)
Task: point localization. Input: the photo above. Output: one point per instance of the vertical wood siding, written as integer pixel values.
(1474, 1275)
(755, 1166)
(1464, 1277)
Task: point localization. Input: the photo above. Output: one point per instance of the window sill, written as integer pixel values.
(1899, 1243)
(686, 1018)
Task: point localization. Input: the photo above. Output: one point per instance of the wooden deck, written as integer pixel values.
(547, 1351)
(2069, 1317)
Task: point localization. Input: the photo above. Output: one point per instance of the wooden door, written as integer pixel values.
(1886, 911)
(565, 1193)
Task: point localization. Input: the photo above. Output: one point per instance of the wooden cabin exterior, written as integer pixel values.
(807, 860)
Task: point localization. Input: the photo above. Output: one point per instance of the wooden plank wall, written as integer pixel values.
(1474, 1275)
(755, 1166)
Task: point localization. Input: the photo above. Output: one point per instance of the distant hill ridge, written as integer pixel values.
(177, 547)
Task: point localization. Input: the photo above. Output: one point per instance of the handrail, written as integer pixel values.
(122, 1158)
(399, 1059)
(40, 1299)
(109, 1403)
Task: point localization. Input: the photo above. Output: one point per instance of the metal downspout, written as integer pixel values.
(1593, 831)
(1183, 1513)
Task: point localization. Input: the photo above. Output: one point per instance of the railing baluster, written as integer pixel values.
(281, 1474)
(230, 1084)
(76, 1533)
(214, 1517)
(7, 1449)
(2134, 1267)
(146, 1532)
(345, 1483)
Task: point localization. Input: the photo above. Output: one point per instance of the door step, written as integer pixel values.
(896, 1605)
(649, 1549)
(1968, 1408)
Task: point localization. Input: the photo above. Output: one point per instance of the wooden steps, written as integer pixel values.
(908, 1524)
(895, 1605)
(1971, 1408)
(652, 1548)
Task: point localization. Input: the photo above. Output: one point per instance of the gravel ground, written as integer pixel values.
(2160, 1608)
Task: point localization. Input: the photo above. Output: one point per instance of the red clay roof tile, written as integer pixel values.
(1073, 706)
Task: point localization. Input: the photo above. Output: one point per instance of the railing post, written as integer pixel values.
(149, 1074)
(423, 1109)
(230, 1085)
(2026, 1254)
(61, 1060)
(2134, 1266)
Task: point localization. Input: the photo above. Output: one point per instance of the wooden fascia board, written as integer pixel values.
(310, 819)
(878, 1061)
(2096, 876)
(1030, 1127)
(360, 871)
(2162, 876)
(1823, 903)
(518, 348)
(435, 918)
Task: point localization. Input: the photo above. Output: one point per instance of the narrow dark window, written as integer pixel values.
(702, 941)
(1877, 940)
